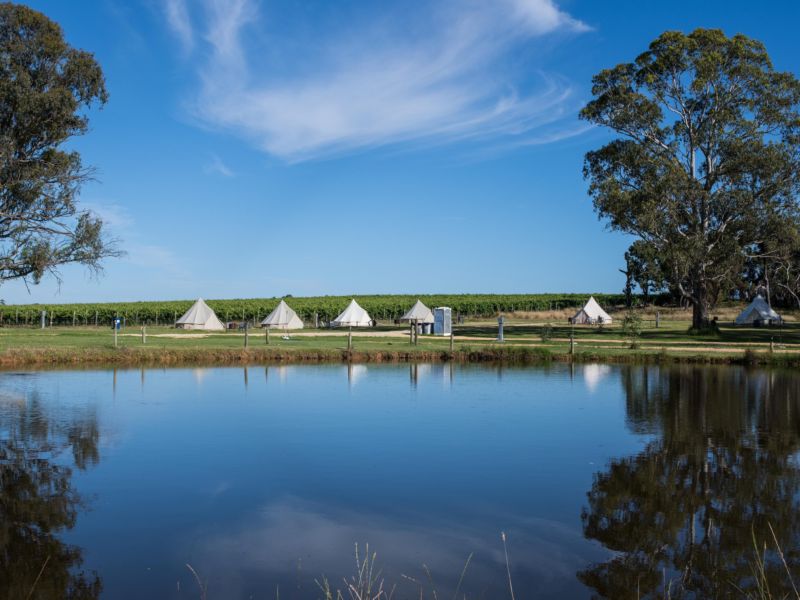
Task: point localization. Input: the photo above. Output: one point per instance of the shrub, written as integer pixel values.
(632, 328)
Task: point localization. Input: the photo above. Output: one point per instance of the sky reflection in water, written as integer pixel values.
(267, 477)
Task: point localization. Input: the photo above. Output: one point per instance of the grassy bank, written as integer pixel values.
(525, 343)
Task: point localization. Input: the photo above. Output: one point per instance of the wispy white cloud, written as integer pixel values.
(179, 21)
(218, 167)
(382, 85)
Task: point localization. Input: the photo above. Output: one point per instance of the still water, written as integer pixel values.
(608, 481)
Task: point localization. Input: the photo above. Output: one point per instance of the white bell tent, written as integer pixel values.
(200, 316)
(419, 313)
(282, 317)
(591, 313)
(353, 316)
(758, 312)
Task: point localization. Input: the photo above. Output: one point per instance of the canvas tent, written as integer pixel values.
(283, 317)
(200, 316)
(353, 316)
(419, 313)
(591, 313)
(758, 312)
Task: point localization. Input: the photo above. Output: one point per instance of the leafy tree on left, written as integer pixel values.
(46, 86)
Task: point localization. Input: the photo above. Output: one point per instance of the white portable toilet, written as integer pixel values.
(442, 321)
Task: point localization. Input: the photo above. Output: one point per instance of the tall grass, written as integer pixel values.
(760, 568)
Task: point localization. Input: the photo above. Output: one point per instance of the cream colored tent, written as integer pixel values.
(200, 316)
(353, 316)
(419, 313)
(758, 312)
(283, 317)
(591, 313)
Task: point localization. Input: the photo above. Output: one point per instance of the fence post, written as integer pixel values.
(144, 334)
(245, 334)
(452, 336)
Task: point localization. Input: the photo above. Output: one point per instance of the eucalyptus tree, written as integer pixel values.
(706, 156)
(46, 87)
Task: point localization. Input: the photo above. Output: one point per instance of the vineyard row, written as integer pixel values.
(325, 308)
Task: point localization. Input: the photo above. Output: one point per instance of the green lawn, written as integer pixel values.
(671, 334)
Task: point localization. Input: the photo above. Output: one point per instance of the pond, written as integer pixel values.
(609, 481)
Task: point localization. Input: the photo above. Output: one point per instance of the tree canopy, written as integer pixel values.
(46, 86)
(706, 166)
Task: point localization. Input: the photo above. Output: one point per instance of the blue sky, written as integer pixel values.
(259, 148)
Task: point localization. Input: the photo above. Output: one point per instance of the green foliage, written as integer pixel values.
(707, 163)
(632, 328)
(644, 268)
(381, 307)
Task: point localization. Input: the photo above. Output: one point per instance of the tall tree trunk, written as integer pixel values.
(700, 305)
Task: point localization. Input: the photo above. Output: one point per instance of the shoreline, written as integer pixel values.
(520, 355)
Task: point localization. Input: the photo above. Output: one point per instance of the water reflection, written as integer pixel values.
(594, 374)
(355, 373)
(247, 491)
(433, 372)
(681, 515)
(286, 544)
(200, 375)
(38, 501)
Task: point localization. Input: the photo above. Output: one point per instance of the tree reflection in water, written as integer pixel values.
(38, 501)
(682, 515)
